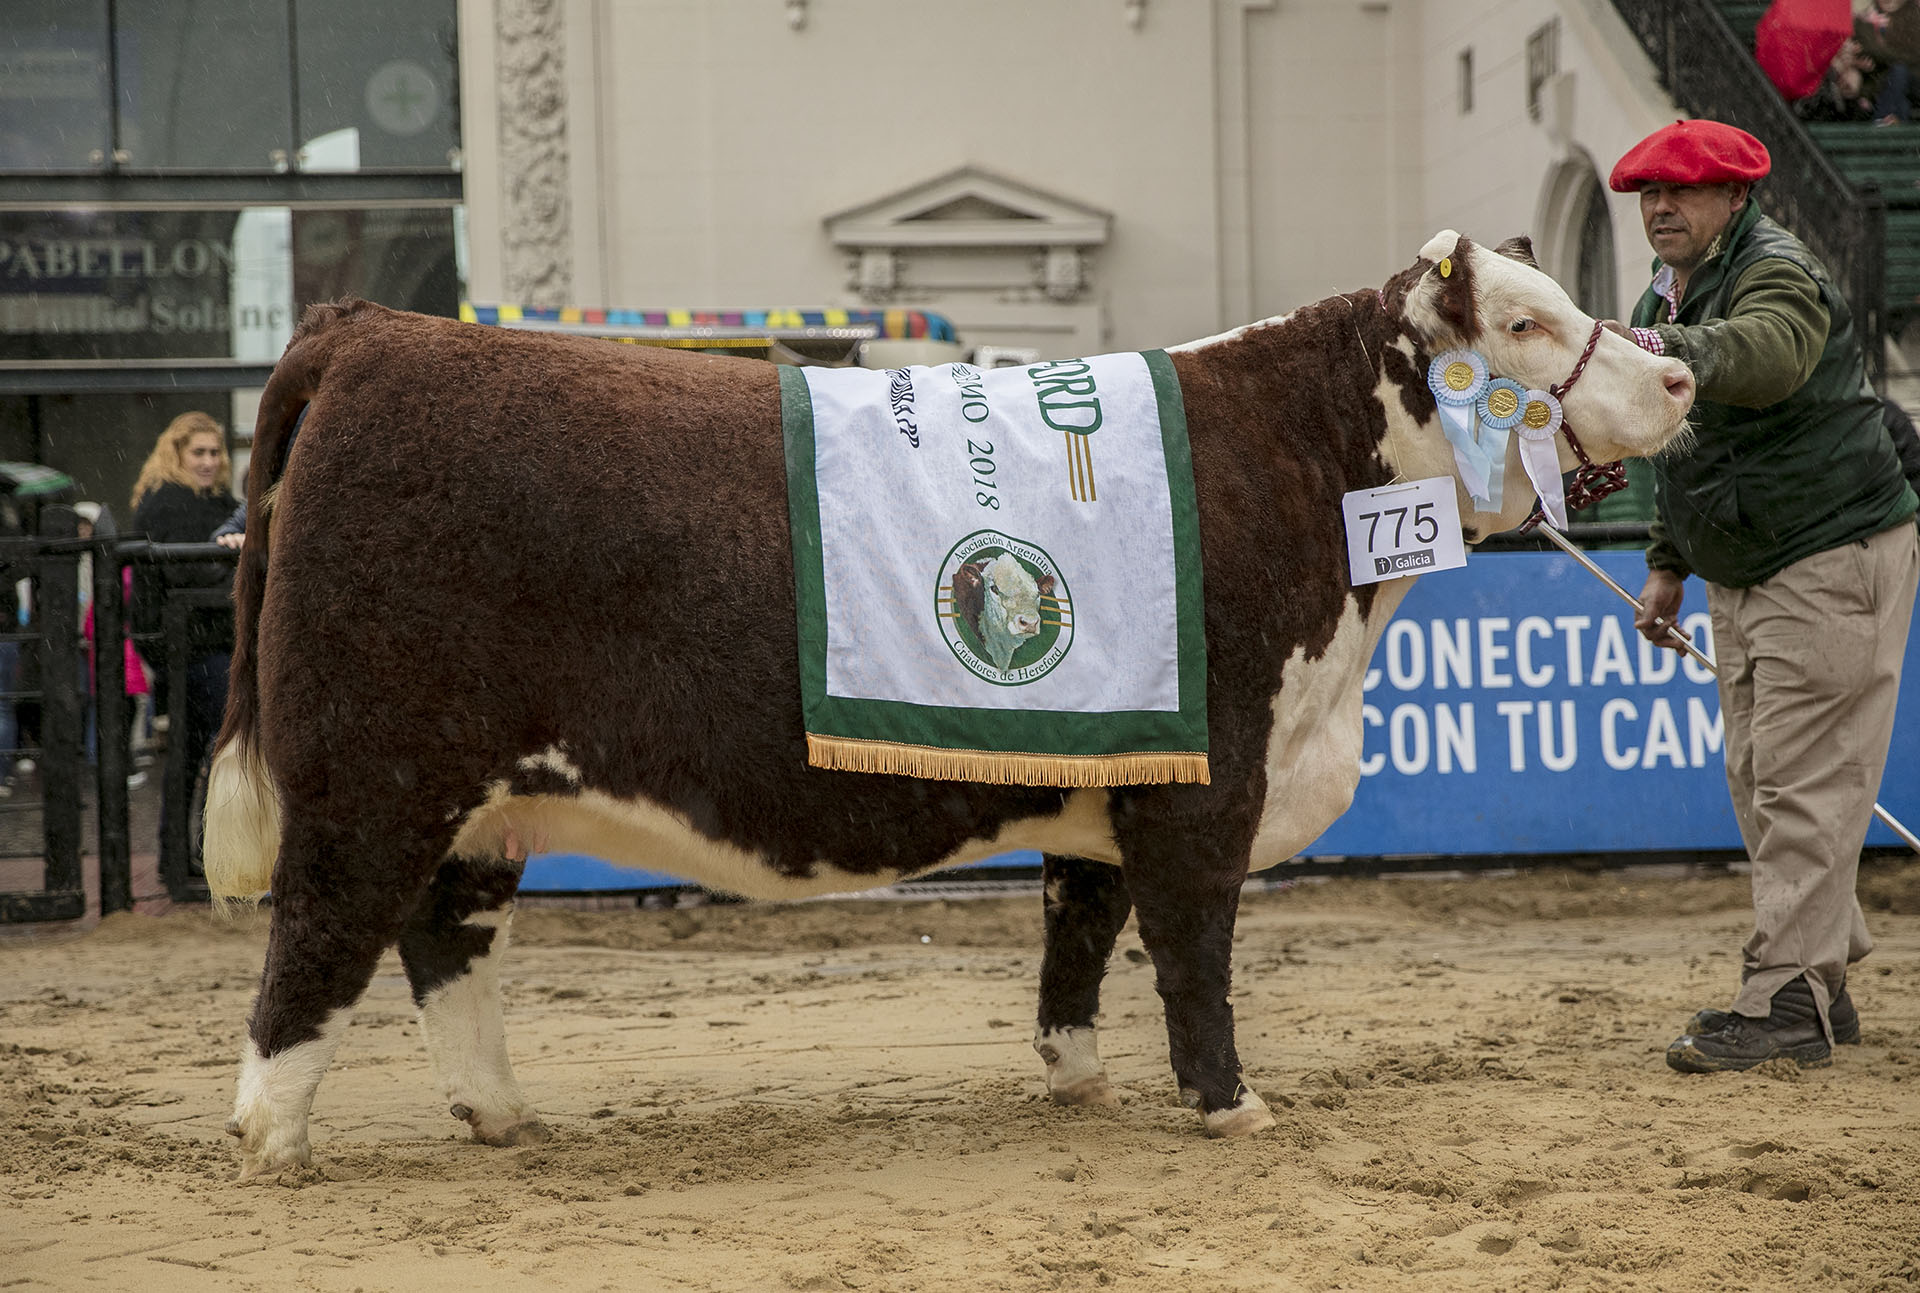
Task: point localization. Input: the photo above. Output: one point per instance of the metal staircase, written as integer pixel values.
(1850, 191)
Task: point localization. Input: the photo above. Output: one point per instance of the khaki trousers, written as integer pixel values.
(1809, 665)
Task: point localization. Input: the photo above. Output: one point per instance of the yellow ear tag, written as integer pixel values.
(1446, 267)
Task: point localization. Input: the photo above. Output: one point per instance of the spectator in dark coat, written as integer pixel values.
(1889, 33)
(182, 496)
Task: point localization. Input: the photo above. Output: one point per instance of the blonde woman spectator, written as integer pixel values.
(182, 497)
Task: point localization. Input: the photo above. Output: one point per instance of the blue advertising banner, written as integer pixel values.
(1512, 709)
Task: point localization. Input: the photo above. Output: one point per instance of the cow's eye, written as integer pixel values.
(1522, 325)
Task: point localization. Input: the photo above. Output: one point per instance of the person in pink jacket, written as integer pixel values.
(136, 684)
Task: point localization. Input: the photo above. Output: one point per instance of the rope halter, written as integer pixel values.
(1592, 481)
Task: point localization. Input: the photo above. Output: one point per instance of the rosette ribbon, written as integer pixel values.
(1458, 378)
(1501, 404)
(1539, 422)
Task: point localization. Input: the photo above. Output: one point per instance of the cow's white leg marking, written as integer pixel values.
(1074, 1072)
(467, 1046)
(274, 1099)
(1245, 1116)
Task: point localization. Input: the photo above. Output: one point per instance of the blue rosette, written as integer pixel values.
(1456, 377)
(1502, 403)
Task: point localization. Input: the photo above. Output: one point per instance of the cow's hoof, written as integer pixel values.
(267, 1147)
(1093, 1090)
(530, 1131)
(259, 1162)
(1248, 1115)
(1075, 1075)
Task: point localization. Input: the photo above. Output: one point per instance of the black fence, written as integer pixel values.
(40, 686)
(59, 680)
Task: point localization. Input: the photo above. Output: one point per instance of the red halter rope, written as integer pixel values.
(1593, 481)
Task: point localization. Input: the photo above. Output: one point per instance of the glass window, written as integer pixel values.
(186, 285)
(87, 284)
(402, 257)
(99, 440)
(203, 86)
(54, 106)
(374, 92)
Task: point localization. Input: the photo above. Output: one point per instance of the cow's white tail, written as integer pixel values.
(243, 825)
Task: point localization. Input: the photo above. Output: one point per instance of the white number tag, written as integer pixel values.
(1404, 529)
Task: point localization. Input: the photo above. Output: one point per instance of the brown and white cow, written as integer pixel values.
(509, 591)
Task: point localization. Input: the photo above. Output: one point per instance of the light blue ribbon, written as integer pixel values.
(1479, 448)
(1477, 472)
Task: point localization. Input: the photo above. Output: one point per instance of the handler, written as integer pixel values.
(1791, 506)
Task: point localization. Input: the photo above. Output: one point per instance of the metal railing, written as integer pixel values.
(179, 840)
(1710, 72)
(49, 675)
(58, 678)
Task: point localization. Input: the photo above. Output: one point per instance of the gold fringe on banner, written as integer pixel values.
(847, 754)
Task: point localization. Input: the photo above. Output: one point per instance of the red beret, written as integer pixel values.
(1691, 152)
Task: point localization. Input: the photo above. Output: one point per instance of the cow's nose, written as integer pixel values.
(1679, 382)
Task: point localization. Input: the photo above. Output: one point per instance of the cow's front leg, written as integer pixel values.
(451, 948)
(1185, 884)
(1086, 904)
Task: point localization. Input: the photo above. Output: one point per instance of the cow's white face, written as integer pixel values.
(1010, 616)
(1628, 403)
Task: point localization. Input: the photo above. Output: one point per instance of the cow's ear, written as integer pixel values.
(1440, 304)
(1045, 585)
(1520, 248)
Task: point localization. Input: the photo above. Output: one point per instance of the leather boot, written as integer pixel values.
(1791, 1030)
(1840, 1013)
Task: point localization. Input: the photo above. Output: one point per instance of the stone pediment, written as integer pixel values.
(969, 207)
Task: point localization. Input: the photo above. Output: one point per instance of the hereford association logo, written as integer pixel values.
(1003, 608)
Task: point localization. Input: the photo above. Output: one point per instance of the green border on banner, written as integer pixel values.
(803, 525)
(1053, 732)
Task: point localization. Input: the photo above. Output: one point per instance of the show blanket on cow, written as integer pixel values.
(998, 572)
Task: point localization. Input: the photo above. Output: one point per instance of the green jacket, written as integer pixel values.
(1789, 456)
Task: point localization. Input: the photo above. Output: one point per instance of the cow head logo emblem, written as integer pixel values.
(1003, 608)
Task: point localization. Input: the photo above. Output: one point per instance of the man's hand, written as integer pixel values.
(1618, 328)
(1660, 608)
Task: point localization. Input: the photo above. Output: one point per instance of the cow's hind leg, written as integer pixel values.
(451, 948)
(1086, 904)
(1186, 903)
(334, 913)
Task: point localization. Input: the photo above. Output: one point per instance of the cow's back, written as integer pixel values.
(490, 545)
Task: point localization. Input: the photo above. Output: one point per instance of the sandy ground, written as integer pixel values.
(1468, 1078)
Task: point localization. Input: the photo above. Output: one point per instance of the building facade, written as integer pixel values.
(177, 179)
(1068, 176)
